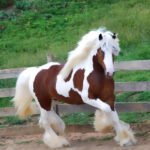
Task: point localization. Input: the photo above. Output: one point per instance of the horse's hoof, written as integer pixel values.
(55, 141)
(128, 144)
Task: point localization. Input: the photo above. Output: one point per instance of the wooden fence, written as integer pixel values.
(119, 87)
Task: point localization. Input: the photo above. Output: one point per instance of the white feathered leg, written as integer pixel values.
(102, 122)
(50, 138)
(56, 123)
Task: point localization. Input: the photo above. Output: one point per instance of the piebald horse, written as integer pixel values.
(86, 78)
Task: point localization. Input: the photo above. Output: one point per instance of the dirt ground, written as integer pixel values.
(79, 141)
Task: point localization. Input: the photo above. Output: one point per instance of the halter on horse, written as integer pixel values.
(85, 78)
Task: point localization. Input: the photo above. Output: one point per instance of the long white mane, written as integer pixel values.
(87, 43)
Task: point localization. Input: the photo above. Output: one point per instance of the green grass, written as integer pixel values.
(56, 26)
(7, 83)
(134, 117)
(131, 76)
(82, 118)
(14, 120)
(5, 102)
(87, 118)
(2, 144)
(40, 142)
(133, 97)
(99, 139)
(24, 142)
(144, 134)
(107, 138)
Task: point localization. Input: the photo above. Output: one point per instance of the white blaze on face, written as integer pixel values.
(108, 47)
(108, 61)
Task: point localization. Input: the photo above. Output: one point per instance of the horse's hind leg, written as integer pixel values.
(56, 123)
(50, 138)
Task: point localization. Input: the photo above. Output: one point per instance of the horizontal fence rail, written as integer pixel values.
(7, 92)
(132, 86)
(66, 108)
(119, 66)
(10, 73)
(132, 65)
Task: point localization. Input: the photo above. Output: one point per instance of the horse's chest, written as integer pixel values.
(73, 82)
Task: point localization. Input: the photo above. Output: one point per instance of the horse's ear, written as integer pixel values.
(100, 37)
(114, 36)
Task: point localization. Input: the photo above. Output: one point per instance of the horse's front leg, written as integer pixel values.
(104, 121)
(124, 134)
(107, 117)
(98, 103)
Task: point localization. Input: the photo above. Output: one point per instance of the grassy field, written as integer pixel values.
(31, 29)
(27, 33)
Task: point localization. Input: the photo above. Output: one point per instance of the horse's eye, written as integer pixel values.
(114, 36)
(102, 53)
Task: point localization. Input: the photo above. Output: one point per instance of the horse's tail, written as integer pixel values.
(23, 98)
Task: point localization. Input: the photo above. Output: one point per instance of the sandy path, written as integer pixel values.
(79, 141)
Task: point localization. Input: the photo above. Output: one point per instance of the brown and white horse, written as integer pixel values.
(85, 78)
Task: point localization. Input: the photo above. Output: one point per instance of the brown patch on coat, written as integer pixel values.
(45, 88)
(69, 77)
(100, 86)
(78, 79)
(40, 89)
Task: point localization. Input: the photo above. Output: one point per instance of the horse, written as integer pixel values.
(86, 78)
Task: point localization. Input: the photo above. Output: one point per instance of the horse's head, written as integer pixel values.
(109, 47)
(88, 45)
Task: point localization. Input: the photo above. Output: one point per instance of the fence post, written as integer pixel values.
(50, 58)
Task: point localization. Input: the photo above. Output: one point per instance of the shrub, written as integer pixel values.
(23, 4)
(6, 3)
(6, 15)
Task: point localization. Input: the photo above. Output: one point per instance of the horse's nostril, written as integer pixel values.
(113, 73)
(107, 74)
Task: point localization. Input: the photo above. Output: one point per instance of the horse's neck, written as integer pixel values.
(97, 66)
(91, 64)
